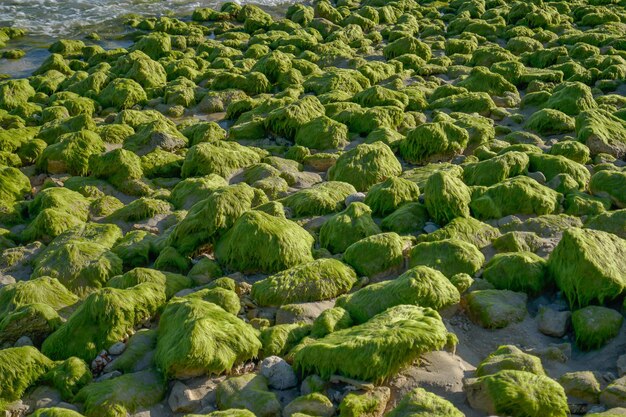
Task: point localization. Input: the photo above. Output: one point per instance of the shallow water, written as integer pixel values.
(48, 20)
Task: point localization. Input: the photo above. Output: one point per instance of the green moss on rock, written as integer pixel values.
(517, 271)
(446, 197)
(376, 254)
(450, 256)
(20, 368)
(594, 326)
(318, 280)
(420, 403)
(420, 285)
(433, 141)
(387, 342)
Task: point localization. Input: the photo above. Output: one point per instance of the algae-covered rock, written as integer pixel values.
(418, 402)
(221, 158)
(69, 376)
(278, 340)
(35, 321)
(581, 254)
(318, 280)
(496, 169)
(518, 394)
(210, 218)
(611, 221)
(369, 403)
(450, 256)
(446, 197)
(260, 242)
(331, 320)
(494, 309)
(20, 368)
(518, 195)
(550, 122)
(602, 132)
(196, 337)
(387, 342)
(322, 133)
(466, 229)
(387, 196)
(517, 271)
(71, 153)
(104, 318)
(365, 166)
(125, 394)
(376, 254)
(170, 282)
(610, 184)
(595, 325)
(316, 404)
(409, 218)
(122, 93)
(324, 198)
(421, 285)
(512, 358)
(44, 290)
(347, 227)
(251, 392)
(433, 141)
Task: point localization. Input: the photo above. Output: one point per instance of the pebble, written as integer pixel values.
(24, 341)
(431, 227)
(356, 197)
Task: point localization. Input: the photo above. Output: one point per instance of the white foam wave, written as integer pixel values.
(72, 17)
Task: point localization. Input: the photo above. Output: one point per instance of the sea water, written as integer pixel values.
(48, 20)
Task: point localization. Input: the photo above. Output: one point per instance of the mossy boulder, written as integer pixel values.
(518, 394)
(44, 290)
(421, 285)
(376, 254)
(446, 197)
(550, 122)
(36, 321)
(323, 198)
(322, 133)
(196, 337)
(517, 271)
(20, 368)
(14, 186)
(171, 282)
(594, 326)
(210, 218)
(581, 254)
(316, 404)
(220, 158)
(261, 242)
(512, 358)
(496, 169)
(69, 376)
(517, 195)
(104, 318)
(388, 341)
(278, 340)
(433, 141)
(318, 280)
(571, 98)
(466, 229)
(250, 392)
(611, 221)
(194, 189)
(407, 219)
(494, 309)
(365, 166)
(450, 256)
(71, 153)
(610, 184)
(419, 402)
(602, 132)
(347, 227)
(554, 165)
(385, 197)
(122, 93)
(125, 394)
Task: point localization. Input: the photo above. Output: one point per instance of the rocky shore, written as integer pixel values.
(363, 208)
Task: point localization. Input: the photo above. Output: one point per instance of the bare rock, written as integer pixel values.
(280, 375)
(553, 323)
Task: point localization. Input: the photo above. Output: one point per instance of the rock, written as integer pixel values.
(312, 383)
(537, 176)
(358, 197)
(182, 400)
(249, 391)
(553, 323)
(516, 394)
(621, 365)
(42, 397)
(581, 385)
(430, 227)
(108, 375)
(314, 404)
(512, 358)
(494, 309)
(117, 348)
(302, 312)
(365, 403)
(615, 394)
(279, 373)
(594, 326)
(23, 341)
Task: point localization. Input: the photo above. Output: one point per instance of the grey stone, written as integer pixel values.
(182, 399)
(430, 227)
(109, 375)
(553, 323)
(42, 397)
(358, 197)
(302, 312)
(538, 176)
(280, 375)
(24, 341)
(117, 349)
(621, 366)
